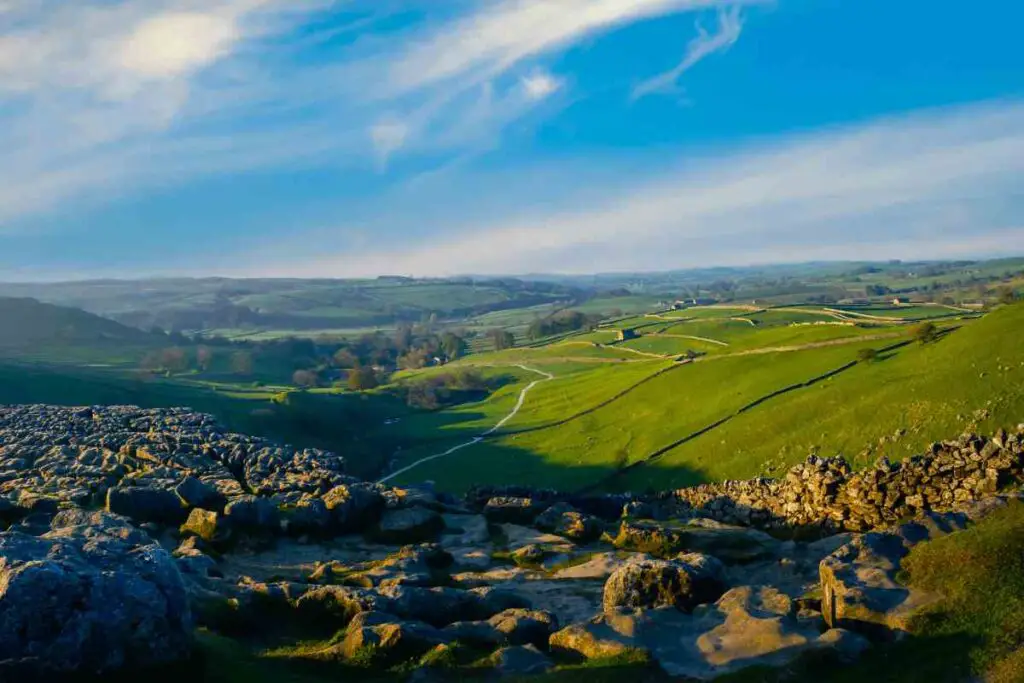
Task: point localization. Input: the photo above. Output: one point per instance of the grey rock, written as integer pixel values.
(512, 510)
(523, 626)
(95, 598)
(522, 660)
(144, 504)
(197, 494)
(354, 507)
(408, 525)
(252, 514)
(644, 582)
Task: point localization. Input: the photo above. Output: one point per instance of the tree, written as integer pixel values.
(306, 379)
(242, 363)
(502, 339)
(453, 345)
(1007, 295)
(403, 338)
(414, 360)
(867, 355)
(362, 378)
(204, 357)
(174, 360)
(343, 358)
(925, 332)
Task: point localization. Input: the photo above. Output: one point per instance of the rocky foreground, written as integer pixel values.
(127, 528)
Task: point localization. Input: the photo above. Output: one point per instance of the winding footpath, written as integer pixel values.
(547, 377)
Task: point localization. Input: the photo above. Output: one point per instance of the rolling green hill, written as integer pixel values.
(223, 305)
(29, 328)
(972, 379)
(779, 391)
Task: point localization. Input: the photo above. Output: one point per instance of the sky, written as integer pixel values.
(351, 138)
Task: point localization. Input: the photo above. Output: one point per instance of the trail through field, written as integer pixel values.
(646, 353)
(690, 336)
(800, 347)
(547, 377)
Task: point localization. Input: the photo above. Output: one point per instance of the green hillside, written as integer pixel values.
(31, 329)
(776, 391)
(972, 379)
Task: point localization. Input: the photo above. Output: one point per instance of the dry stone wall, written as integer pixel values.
(827, 493)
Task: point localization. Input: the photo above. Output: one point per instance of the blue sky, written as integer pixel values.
(436, 137)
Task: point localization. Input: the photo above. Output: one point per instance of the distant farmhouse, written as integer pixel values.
(900, 301)
(701, 301)
(627, 333)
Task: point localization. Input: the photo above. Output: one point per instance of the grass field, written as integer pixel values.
(973, 379)
(580, 451)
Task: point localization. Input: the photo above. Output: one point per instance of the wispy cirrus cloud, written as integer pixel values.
(933, 184)
(106, 97)
(730, 25)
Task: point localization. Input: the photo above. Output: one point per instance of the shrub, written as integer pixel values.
(925, 332)
(867, 355)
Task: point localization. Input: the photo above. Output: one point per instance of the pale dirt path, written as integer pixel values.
(477, 439)
(690, 336)
(800, 347)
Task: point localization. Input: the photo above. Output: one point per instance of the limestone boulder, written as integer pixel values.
(92, 596)
(253, 514)
(860, 590)
(564, 520)
(730, 544)
(144, 504)
(524, 626)
(354, 507)
(387, 639)
(512, 510)
(749, 626)
(408, 525)
(644, 582)
(194, 493)
(520, 660)
(604, 636)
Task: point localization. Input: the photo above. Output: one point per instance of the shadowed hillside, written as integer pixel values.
(28, 323)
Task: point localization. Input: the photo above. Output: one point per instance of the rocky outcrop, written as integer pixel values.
(266, 536)
(408, 525)
(683, 583)
(859, 585)
(92, 595)
(827, 493)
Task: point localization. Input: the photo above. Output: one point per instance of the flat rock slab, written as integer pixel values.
(748, 626)
(294, 561)
(599, 567)
(521, 536)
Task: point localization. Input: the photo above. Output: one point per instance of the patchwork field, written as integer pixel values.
(760, 396)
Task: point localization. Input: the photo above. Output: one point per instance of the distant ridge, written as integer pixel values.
(27, 323)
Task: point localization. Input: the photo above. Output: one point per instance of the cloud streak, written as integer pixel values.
(106, 97)
(937, 183)
(730, 26)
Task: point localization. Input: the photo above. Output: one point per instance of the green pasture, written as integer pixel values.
(971, 379)
(592, 446)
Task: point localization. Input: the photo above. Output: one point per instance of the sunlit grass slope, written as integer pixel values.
(607, 436)
(973, 378)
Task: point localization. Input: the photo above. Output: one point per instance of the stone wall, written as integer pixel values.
(821, 493)
(827, 493)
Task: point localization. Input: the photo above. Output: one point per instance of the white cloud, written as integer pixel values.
(505, 33)
(388, 137)
(105, 97)
(540, 85)
(934, 184)
(729, 28)
(178, 42)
